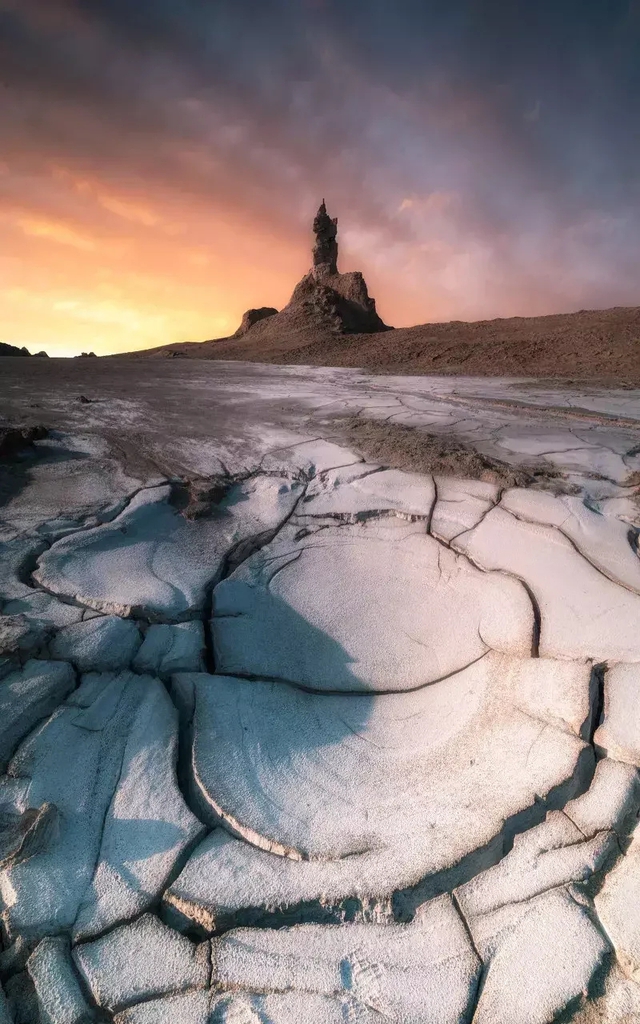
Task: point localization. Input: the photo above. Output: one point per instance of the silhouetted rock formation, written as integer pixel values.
(324, 303)
(16, 439)
(325, 251)
(324, 306)
(12, 350)
(251, 317)
(336, 302)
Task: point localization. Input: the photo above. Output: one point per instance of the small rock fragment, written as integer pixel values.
(541, 956)
(187, 1008)
(139, 961)
(611, 801)
(168, 649)
(27, 696)
(618, 736)
(104, 644)
(57, 987)
(618, 906)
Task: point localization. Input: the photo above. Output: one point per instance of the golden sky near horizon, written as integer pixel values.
(161, 162)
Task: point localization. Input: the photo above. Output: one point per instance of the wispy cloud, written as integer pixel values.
(482, 159)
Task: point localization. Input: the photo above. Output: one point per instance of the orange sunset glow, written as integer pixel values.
(160, 166)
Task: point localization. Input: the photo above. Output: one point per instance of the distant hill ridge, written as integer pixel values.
(13, 350)
(600, 344)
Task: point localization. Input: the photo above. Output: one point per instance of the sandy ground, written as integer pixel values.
(590, 344)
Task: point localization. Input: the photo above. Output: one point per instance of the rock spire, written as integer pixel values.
(325, 250)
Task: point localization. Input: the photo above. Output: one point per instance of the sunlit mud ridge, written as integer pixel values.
(289, 735)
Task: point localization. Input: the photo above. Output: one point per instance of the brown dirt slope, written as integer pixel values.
(599, 344)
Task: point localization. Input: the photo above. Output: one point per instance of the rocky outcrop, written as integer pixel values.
(13, 350)
(325, 250)
(251, 317)
(324, 303)
(340, 302)
(16, 439)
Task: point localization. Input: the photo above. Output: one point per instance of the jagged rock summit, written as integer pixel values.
(324, 301)
(251, 317)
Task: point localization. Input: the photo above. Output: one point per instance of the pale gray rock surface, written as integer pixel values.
(139, 961)
(552, 854)
(60, 998)
(186, 1008)
(103, 644)
(611, 802)
(560, 693)
(120, 829)
(541, 955)
(618, 736)
(310, 457)
(366, 607)
(168, 649)
(152, 560)
(147, 827)
(470, 778)
(44, 612)
(603, 542)
(619, 1003)
(27, 696)
(288, 1008)
(460, 506)
(75, 479)
(397, 793)
(583, 613)
(426, 970)
(618, 907)
(367, 493)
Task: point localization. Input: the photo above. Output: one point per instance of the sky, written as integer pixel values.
(161, 160)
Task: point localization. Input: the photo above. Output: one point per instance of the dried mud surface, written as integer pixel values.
(404, 447)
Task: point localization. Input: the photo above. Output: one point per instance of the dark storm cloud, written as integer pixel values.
(488, 141)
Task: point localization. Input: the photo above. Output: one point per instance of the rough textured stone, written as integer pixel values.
(541, 956)
(618, 906)
(325, 250)
(168, 649)
(139, 961)
(59, 994)
(27, 696)
(153, 560)
(121, 819)
(552, 854)
(103, 644)
(426, 970)
(186, 1008)
(251, 317)
(618, 736)
(22, 1001)
(375, 606)
(583, 614)
(479, 677)
(268, 757)
(611, 802)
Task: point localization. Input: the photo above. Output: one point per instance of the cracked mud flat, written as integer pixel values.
(293, 731)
